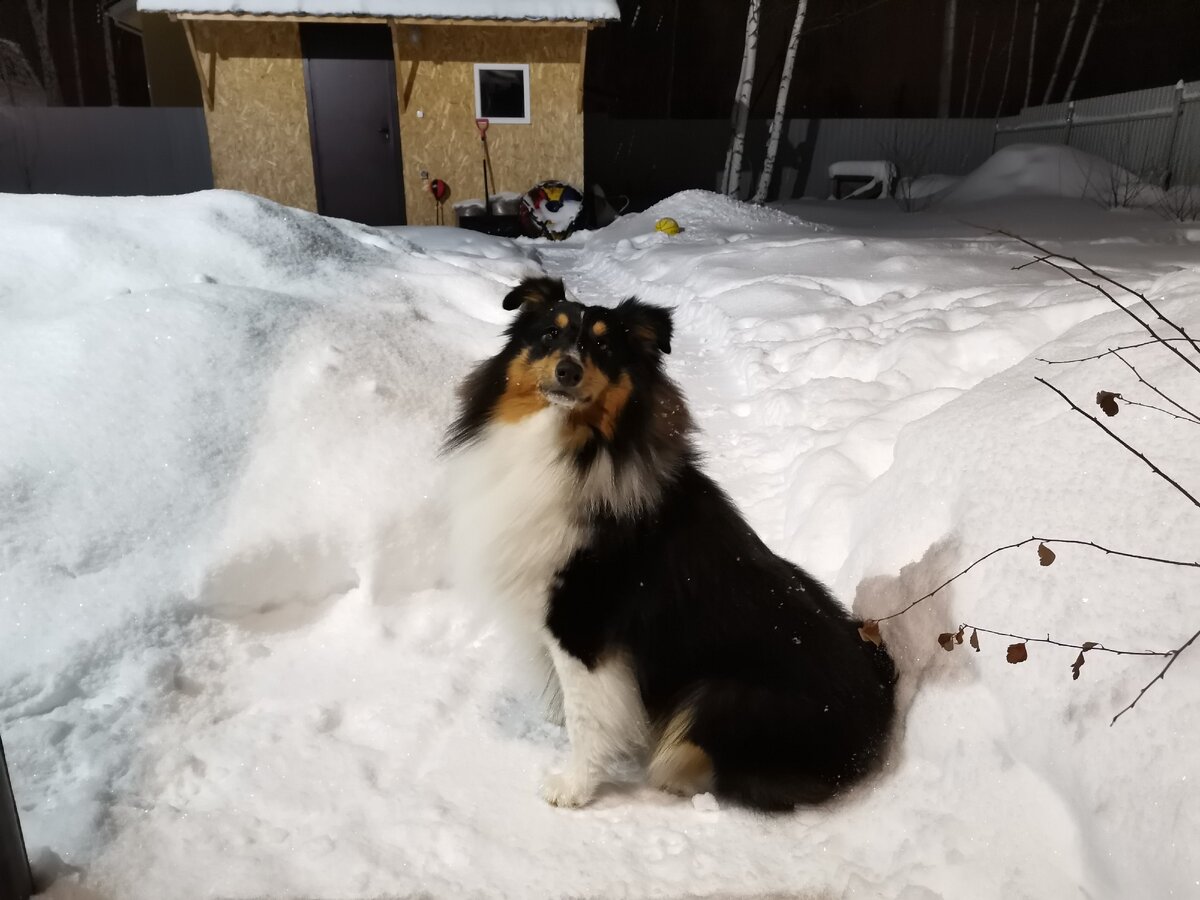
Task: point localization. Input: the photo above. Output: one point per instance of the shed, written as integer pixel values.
(350, 107)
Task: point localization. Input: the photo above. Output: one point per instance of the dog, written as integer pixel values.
(676, 636)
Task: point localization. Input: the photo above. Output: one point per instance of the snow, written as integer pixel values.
(441, 9)
(231, 665)
(1041, 170)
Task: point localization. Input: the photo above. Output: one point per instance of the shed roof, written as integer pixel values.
(571, 10)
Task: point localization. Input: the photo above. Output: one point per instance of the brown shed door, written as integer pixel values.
(351, 84)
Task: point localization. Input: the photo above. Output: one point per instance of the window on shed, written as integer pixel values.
(502, 93)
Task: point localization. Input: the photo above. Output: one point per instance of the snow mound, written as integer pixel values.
(230, 667)
(214, 407)
(704, 216)
(1040, 170)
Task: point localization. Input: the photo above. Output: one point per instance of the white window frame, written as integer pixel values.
(523, 67)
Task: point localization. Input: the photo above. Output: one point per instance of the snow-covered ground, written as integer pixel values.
(230, 666)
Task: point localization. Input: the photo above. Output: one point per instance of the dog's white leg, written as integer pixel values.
(606, 722)
(552, 698)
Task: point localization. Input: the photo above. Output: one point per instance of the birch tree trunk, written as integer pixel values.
(785, 84)
(1012, 40)
(1062, 51)
(947, 78)
(1032, 47)
(987, 62)
(114, 93)
(741, 103)
(37, 18)
(1087, 43)
(72, 27)
(966, 89)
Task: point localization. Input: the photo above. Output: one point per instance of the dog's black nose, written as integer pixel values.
(568, 372)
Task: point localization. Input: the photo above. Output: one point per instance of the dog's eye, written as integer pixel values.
(602, 345)
(549, 335)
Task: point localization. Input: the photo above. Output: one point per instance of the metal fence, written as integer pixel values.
(127, 150)
(1154, 133)
(103, 150)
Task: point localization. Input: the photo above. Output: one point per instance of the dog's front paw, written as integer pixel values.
(560, 789)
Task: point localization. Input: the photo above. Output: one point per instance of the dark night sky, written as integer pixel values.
(680, 58)
(82, 75)
(877, 57)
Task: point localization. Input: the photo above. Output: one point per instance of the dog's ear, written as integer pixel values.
(649, 324)
(535, 292)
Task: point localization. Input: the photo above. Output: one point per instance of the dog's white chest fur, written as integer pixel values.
(515, 520)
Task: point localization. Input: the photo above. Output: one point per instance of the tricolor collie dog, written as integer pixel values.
(676, 636)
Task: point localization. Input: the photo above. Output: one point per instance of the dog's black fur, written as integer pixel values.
(764, 669)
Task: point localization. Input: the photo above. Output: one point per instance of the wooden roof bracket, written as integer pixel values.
(409, 79)
(207, 81)
(583, 64)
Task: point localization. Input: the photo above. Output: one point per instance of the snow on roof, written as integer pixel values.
(434, 9)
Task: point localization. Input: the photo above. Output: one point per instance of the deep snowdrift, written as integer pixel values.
(230, 666)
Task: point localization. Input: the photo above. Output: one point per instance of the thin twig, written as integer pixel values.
(1063, 362)
(1175, 484)
(1162, 674)
(1125, 309)
(1116, 351)
(1086, 648)
(1042, 540)
(1178, 406)
(1047, 254)
(1166, 412)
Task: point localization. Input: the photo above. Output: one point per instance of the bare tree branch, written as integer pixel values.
(1188, 415)
(1174, 654)
(1048, 255)
(1087, 647)
(1063, 362)
(1165, 412)
(1191, 416)
(1041, 540)
(1159, 472)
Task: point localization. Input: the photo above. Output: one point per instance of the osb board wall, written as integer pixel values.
(444, 141)
(258, 126)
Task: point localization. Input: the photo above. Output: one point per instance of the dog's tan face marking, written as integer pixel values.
(599, 328)
(562, 320)
(523, 389)
(608, 398)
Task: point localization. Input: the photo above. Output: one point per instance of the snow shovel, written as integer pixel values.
(482, 125)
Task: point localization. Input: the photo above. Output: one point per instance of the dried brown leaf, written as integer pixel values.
(1045, 555)
(958, 635)
(1107, 401)
(946, 639)
(869, 631)
(1017, 653)
(1076, 666)
(975, 640)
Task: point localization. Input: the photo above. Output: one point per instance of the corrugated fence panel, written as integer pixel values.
(1035, 125)
(1185, 161)
(1154, 133)
(130, 150)
(103, 150)
(1131, 129)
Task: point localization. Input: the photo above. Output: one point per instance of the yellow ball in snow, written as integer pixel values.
(667, 226)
